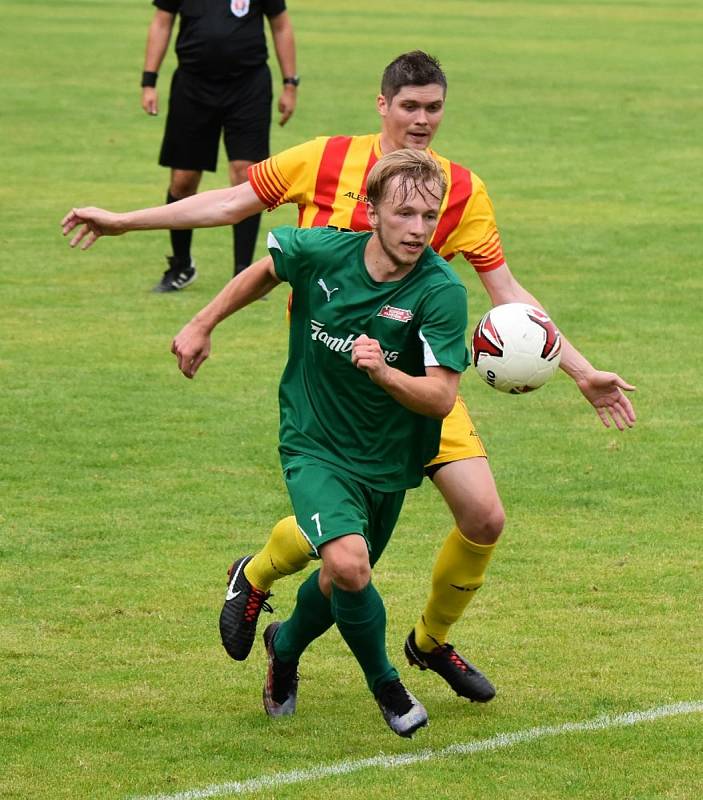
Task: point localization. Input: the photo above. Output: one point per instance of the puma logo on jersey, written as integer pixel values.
(327, 291)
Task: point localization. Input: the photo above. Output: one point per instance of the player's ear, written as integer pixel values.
(381, 105)
(372, 214)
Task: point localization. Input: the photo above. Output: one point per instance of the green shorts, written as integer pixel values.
(328, 504)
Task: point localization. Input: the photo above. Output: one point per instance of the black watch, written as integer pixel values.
(294, 80)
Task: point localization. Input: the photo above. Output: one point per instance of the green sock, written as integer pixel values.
(361, 619)
(311, 617)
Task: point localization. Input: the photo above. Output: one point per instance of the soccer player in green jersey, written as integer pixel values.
(377, 346)
(325, 179)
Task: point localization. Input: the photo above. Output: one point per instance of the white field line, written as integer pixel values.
(500, 740)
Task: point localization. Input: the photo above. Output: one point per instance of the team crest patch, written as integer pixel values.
(240, 8)
(398, 314)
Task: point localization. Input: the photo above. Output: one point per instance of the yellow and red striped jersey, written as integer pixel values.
(326, 178)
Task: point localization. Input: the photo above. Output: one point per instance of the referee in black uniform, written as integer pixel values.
(222, 84)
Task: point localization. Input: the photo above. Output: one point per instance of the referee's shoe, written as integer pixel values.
(181, 272)
(464, 678)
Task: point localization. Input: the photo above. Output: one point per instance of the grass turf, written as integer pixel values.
(126, 489)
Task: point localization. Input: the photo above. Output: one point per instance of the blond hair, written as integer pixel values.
(417, 169)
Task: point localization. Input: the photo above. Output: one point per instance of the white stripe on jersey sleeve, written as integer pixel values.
(430, 360)
(272, 241)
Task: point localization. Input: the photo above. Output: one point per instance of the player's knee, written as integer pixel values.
(352, 575)
(484, 527)
(346, 563)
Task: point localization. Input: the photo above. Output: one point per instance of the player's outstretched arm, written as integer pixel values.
(205, 210)
(433, 394)
(603, 390)
(192, 344)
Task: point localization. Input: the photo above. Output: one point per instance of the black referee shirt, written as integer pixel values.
(221, 39)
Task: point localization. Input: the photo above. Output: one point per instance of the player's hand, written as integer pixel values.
(604, 391)
(286, 103)
(95, 222)
(150, 100)
(367, 355)
(191, 347)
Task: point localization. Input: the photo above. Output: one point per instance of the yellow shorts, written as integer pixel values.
(459, 437)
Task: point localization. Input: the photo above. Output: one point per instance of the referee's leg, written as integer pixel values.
(247, 230)
(184, 183)
(189, 146)
(246, 127)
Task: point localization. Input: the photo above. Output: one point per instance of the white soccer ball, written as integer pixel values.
(516, 348)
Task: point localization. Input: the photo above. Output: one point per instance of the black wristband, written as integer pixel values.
(149, 78)
(293, 80)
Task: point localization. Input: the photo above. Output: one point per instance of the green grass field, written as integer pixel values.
(127, 490)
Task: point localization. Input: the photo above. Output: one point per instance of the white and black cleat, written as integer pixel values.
(403, 712)
(281, 686)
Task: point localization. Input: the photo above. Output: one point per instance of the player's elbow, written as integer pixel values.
(238, 203)
(229, 210)
(446, 408)
(446, 393)
(443, 385)
(444, 404)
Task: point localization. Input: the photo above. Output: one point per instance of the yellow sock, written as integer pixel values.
(287, 551)
(458, 573)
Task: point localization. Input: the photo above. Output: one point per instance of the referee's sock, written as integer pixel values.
(458, 573)
(180, 240)
(286, 552)
(245, 233)
(361, 619)
(311, 617)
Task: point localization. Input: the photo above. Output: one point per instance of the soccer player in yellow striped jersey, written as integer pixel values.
(325, 177)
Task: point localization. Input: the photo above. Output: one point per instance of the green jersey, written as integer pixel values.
(330, 409)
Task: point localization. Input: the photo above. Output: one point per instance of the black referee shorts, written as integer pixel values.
(192, 136)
